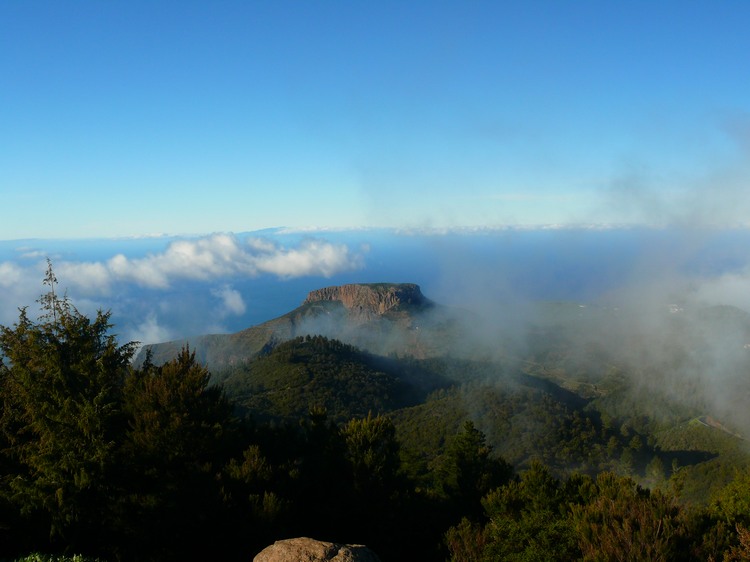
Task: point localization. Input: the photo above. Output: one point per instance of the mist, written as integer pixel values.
(662, 312)
(641, 301)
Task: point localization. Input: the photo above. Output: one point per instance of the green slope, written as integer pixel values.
(315, 372)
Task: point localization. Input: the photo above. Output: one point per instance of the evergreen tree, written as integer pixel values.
(623, 521)
(61, 381)
(472, 470)
(377, 496)
(179, 438)
(529, 518)
(372, 451)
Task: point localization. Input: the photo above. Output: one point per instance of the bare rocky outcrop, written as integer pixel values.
(371, 299)
(382, 318)
(304, 549)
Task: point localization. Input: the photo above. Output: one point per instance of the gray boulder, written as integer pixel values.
(304, 549)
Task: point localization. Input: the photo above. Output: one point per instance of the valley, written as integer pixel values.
(373, 415)
(581, 388)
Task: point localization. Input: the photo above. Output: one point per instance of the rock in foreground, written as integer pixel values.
(309, 550)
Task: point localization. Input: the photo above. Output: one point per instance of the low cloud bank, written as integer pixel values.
(192, 285)
(217, 256)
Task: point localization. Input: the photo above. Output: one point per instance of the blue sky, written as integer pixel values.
(136, 118)
(200, 166)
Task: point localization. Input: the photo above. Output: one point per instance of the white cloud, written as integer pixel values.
(261, 244)
(219, 259)
(231, 301)
(150, 331)
(10, 274)
(33, 254)
(20, 286)
(87, 276)
(213, 257)
(731, 288)
(313, 257)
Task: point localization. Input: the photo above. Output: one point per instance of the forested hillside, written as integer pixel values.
(556, 450)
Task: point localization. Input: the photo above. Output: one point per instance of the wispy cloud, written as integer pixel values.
(150, 331)
(716, 195)
(231, 300)
(10, 274)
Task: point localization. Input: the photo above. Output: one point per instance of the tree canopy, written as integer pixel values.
(100, 457)
(61, 386)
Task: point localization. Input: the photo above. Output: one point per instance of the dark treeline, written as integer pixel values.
(154, 463)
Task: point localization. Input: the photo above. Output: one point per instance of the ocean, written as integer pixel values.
(158, 293)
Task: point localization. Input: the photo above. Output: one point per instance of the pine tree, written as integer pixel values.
(473, 470)
(179, 436)
(61, 381)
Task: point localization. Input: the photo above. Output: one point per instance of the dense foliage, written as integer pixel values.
(346, 382)
(316, 438)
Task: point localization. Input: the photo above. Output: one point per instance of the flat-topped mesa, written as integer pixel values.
(375, 298)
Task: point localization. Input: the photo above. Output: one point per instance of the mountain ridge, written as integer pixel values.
(579, 385)
(384, 318)
(371, 299)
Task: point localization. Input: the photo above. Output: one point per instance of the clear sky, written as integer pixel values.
(135, 118)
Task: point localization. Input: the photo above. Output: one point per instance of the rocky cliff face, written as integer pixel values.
(372, 299)
(382, 318)
(304, 549)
